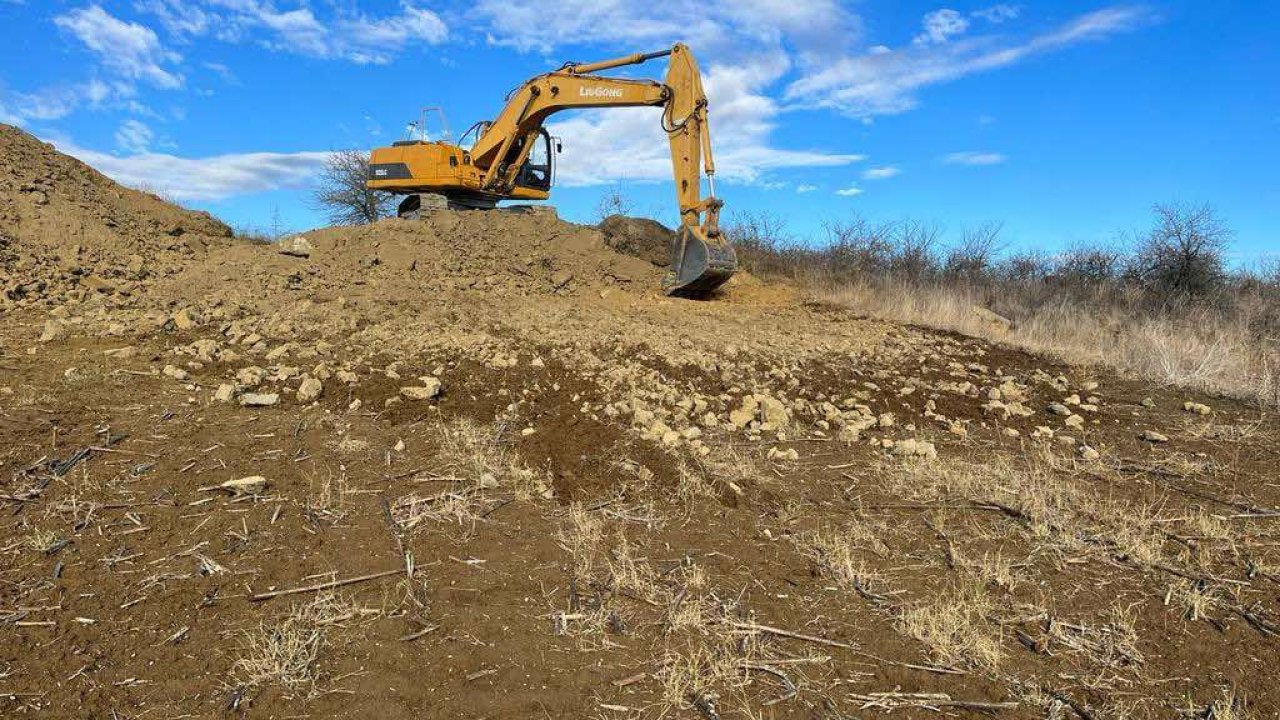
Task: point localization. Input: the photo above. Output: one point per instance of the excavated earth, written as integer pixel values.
(497, 474)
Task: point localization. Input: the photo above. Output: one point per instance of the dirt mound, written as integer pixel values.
(646, 239)
(67, 228)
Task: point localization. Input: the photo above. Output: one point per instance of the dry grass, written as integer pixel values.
(286, 653)
(476, 463)
(954, 625)
(1205, 350)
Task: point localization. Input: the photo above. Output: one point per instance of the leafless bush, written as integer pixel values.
(1182, 255)
(341, 192)
(613, 202)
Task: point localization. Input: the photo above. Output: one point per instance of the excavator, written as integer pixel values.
(511, 157)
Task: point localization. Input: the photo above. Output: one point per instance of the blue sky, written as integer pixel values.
(1065, 121)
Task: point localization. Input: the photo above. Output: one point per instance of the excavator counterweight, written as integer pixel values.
(512, 157)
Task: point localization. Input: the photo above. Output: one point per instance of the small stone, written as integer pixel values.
(561, 278)
(1088, 453)
(225, 392)
(1152, 436)
(912, 448)
(53, 330)
(175, 372)
(251, 485)
(1058, 409)
(1074, 421)
(1197, 408)
(296, 246)
(1148, 403)
(259, 399)
(526, 432)
(399, 446)
(310, 390)
(186, 319)
(790, 454)
(429, 389)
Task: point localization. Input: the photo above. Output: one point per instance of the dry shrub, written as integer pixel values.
(1113, 643)
(1202, 349)
(954, 626)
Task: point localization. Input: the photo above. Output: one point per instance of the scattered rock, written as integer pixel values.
(259, 399)
(1152, 436)
(1088, 453)
(186, 319)
(429, 389)
(310, 390)
(251, 485)
(1197, 408)
(53, 330)
(175, 372)
(296, 246)
(226, 392)
(912, 448)
(992, 320)
(1058, 409)
(789, 454)
(1148, 402)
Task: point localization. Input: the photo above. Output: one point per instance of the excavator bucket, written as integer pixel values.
(699, 264)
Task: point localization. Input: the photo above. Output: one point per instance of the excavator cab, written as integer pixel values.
(539, 168)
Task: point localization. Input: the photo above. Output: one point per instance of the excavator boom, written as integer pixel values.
(511, 157)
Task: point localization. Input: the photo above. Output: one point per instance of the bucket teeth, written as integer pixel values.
(699, 265)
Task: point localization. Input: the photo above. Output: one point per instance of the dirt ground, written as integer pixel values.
(476, 466)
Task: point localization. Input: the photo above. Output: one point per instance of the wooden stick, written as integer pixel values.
(787, 633)
(324, 585)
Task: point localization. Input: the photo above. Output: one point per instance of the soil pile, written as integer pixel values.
(66, 228)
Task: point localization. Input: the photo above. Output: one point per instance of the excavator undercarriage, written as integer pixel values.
(512, 158)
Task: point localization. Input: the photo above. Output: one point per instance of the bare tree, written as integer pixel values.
(613, 202)
(341, 192)
(1182, 255)
(973, 257)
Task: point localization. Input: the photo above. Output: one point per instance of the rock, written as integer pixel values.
(646, 239)
(186, 319)
(251, 485)
(1152, 436)
(993, 321)
(124, 353)
(1058, 409)
(561, 278)
(1197, 408)
(1088, 453)
(259, 399)
(296, 246)
(347, 377)
(1148, 403)
(429, 389)
(250, 377)
(745, 413)
(773, 412)
(176, 373)
(53, 330)
(225, 392)
(1074, 421)
(912, 448)
(789, 454)
(310, 390)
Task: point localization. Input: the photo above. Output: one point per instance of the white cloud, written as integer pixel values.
(851, 191)
(128, 49)
(997, 14)
(711, 27)
(207, 178)
(884, 81)
(941, 25)
(133, 136)
(356, 37)
(607, 146)
(805, 188)
(882, 173)
(974, 158)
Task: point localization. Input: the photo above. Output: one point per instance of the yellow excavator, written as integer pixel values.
(511, 157)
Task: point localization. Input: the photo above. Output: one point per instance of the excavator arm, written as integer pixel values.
(701, 258)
